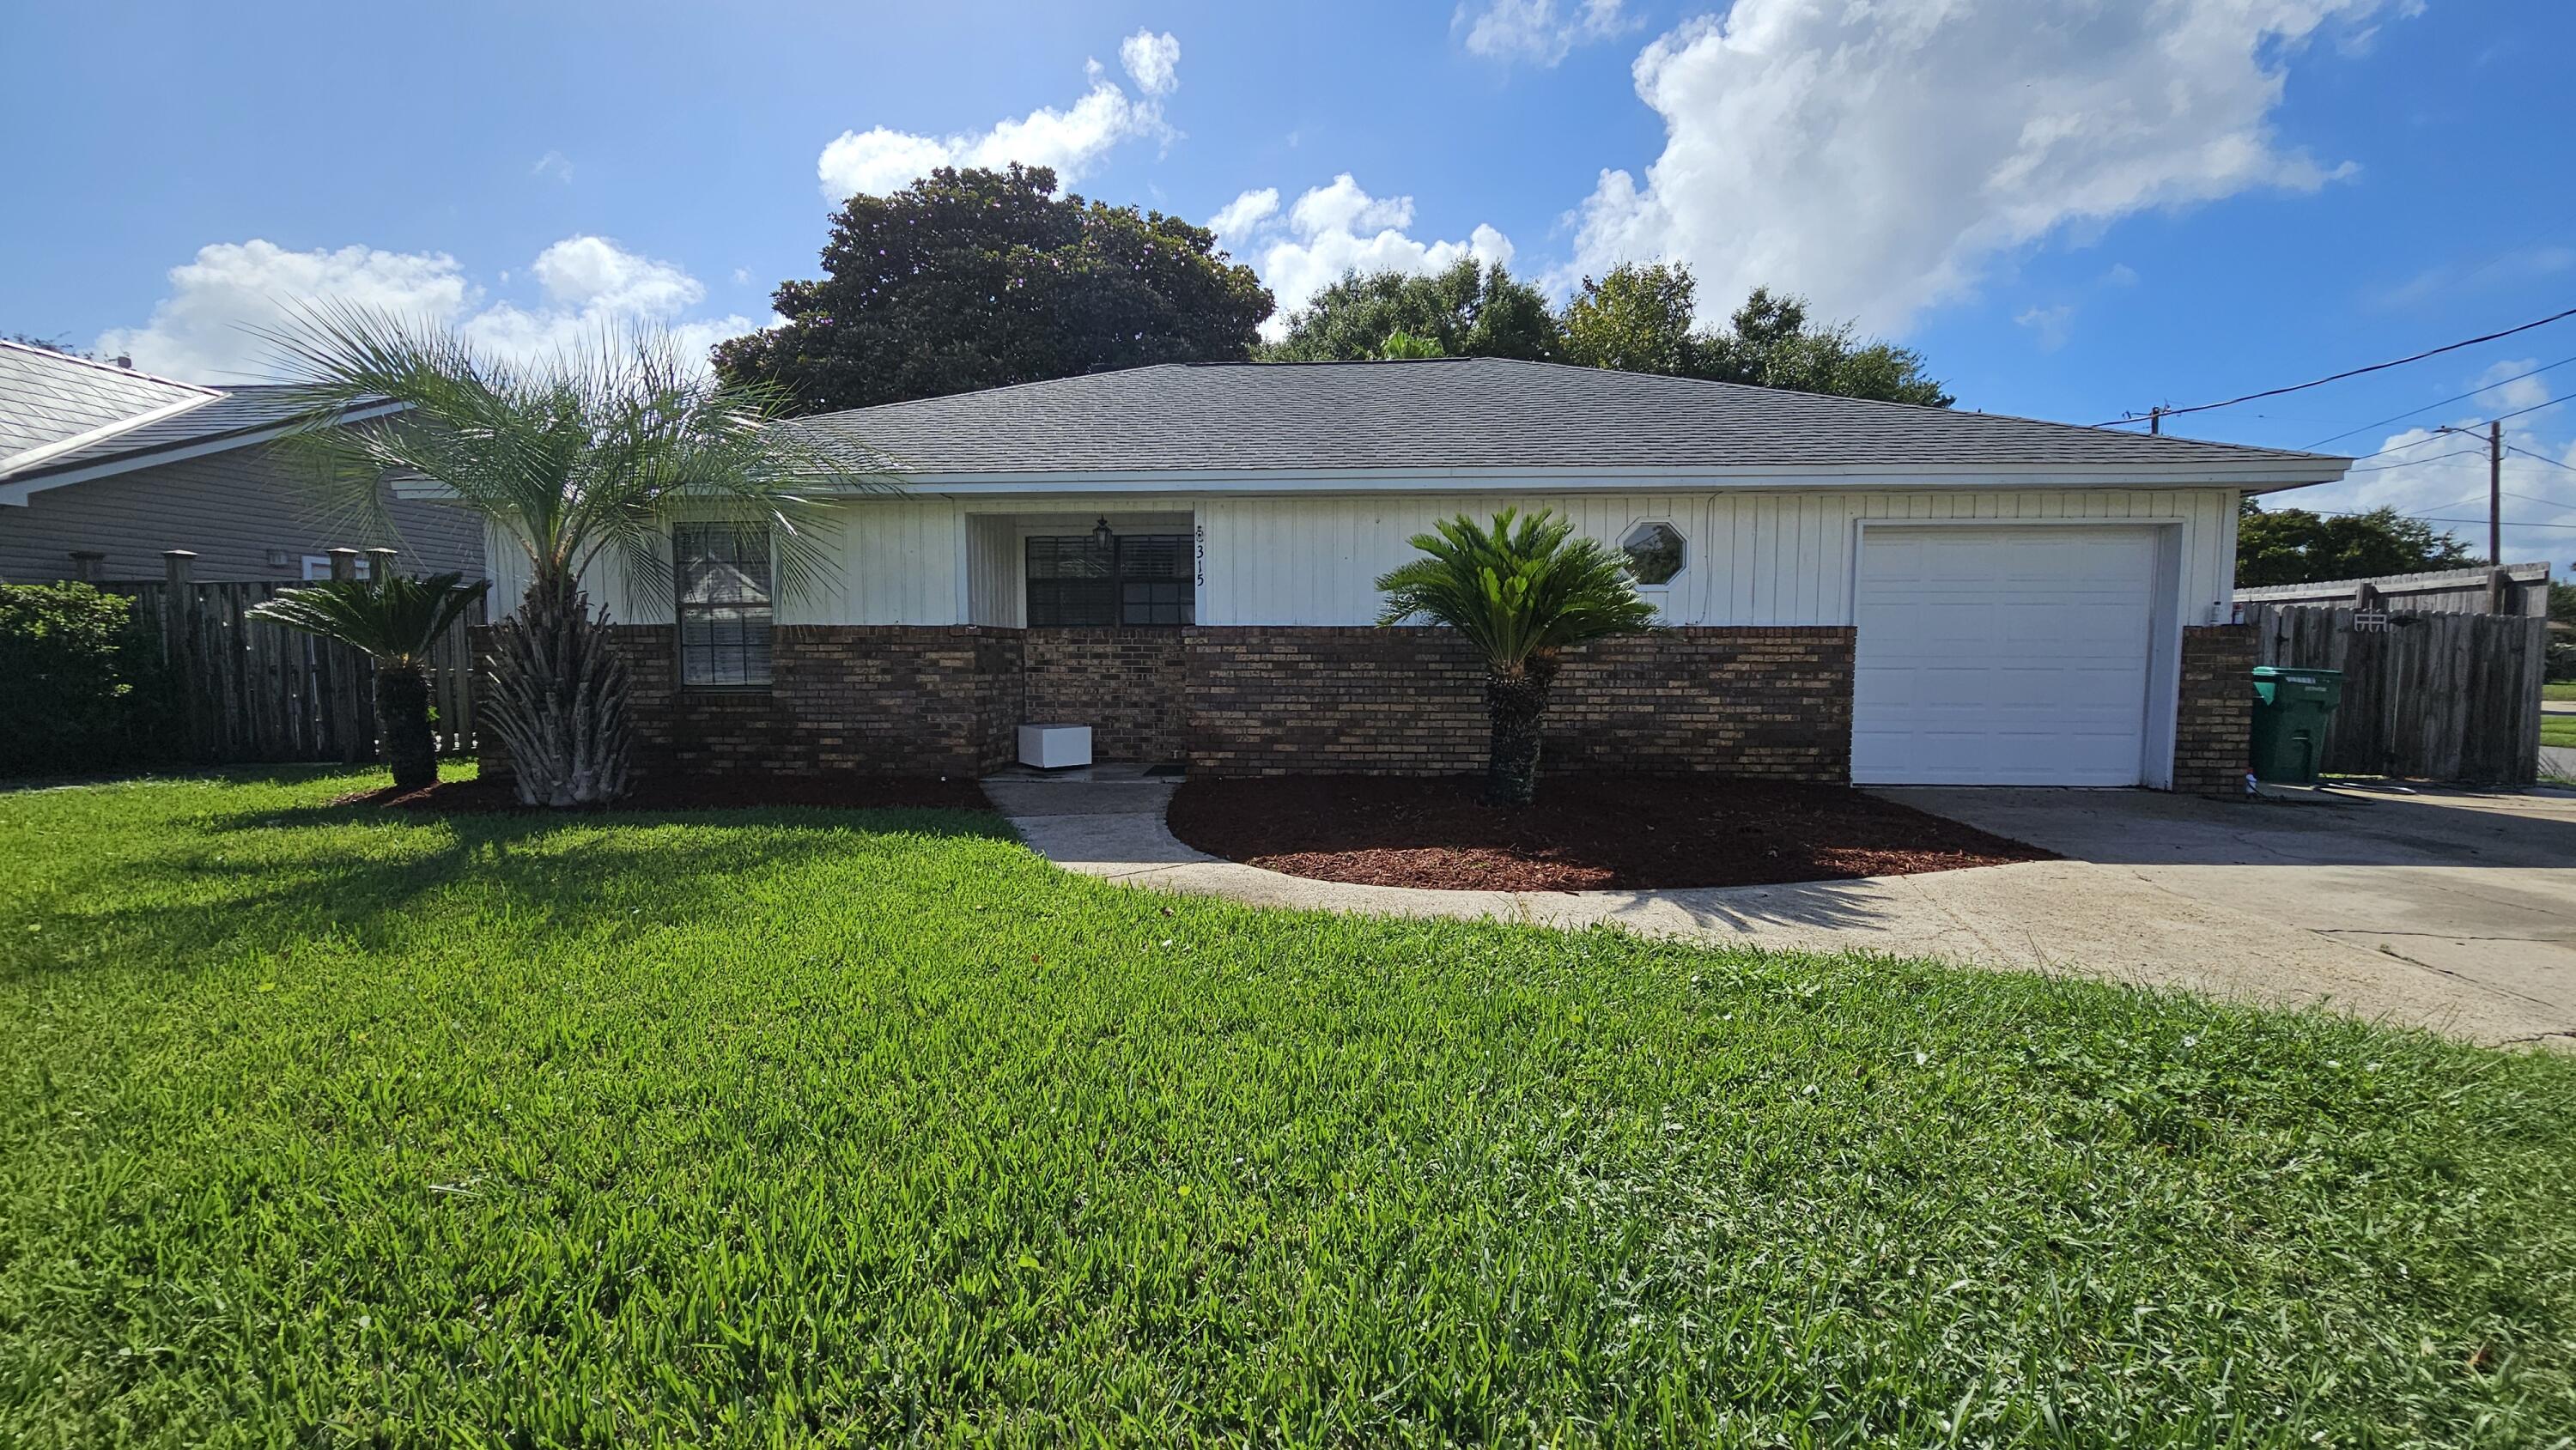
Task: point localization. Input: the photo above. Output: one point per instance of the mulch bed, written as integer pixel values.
(1586, 833)
(700, 792)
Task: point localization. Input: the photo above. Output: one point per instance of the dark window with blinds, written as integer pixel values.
(725, 616)
(1135, 579)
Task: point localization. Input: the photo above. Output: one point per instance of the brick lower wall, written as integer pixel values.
(863, 700)
(1268, 700)
(921, 700)
(2214, 715)
(1126, 684)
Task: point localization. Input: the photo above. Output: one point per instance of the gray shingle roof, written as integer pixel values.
(47, 397)
(1464, 413)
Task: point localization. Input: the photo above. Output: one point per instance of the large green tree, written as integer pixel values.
(2295, 546)
(976, 279)
(1468, 310)
(1639, 318)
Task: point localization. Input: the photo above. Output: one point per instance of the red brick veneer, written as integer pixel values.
(865, 699)
(1270, 700)
(1126, 684)
(2214, 714)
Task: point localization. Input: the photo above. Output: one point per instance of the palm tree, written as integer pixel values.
(1520, 595)
(583, 457)
(394, 621)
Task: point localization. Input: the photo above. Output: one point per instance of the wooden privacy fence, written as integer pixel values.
(2433, 696)
(250, 691)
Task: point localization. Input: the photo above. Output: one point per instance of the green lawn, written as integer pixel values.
(318, 1127)
(2558, 729)
(2559, 690)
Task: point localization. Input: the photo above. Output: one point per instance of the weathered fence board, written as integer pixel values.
(257, 692)
(2432, 696)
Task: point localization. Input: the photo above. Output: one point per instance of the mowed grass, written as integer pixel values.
(2558, 729)
(321, 1127)
(2559, 690)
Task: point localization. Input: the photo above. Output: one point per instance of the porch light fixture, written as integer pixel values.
(1100, 535)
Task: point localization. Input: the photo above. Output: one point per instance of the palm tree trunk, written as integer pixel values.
(559, 699)
(1517, 702)
(402, 723)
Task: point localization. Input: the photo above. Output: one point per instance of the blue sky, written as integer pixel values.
(2073, 209)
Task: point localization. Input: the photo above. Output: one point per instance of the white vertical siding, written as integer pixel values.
(1751, 558)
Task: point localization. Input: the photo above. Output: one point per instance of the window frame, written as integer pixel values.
(1651, 521)
(1117, 581)
(681, 609)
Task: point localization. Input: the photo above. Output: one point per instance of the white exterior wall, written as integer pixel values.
(1749, 558)
(1772, 557)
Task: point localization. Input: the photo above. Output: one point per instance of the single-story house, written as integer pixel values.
(1182, 557)
(103, 469)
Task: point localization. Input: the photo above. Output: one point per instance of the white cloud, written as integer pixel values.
(205, 329)
(554, 164)
(1152, 61)
(1240, 216)
(2428, 473)
(1335, 229)
(2050, 324)
(1071, 141)
(1535, 30)
(1877, 157)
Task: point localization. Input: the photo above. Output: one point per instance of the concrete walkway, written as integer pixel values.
(2452, 912)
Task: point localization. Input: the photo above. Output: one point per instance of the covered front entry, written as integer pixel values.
(2005, 655)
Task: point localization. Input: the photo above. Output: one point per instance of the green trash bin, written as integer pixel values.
(2291, 709)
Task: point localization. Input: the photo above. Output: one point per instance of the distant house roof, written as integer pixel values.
(126, 420)
(52, 402)
(1490, 416)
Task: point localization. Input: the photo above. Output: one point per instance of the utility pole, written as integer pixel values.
(2495, 488)
(2495, 495)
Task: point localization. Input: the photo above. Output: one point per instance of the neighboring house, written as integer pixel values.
(1182, 558)
(103, 468)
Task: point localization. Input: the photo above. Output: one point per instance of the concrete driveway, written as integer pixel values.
(2451, 911)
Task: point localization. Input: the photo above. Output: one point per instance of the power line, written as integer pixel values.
(2416, 462)
(2540, 457)
(2438, 432)
(2161, 413)
(2446, 402)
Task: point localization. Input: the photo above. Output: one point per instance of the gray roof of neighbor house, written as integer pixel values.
(49, 399)
(1480, 414)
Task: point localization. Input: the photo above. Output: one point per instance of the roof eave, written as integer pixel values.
(2250, 476)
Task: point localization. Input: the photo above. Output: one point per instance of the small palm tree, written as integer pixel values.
(1400, 344)
(581, 457)
(1520, 595)
(394, 621)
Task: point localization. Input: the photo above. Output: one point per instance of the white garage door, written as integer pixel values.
(2003, 656)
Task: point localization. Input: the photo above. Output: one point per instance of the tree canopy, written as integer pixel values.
(977, 278)
(2294, 546)
(1471, 309)
(1639, 319)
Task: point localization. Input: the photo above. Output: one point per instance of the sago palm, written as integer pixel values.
(582, 457)
(393, 621)
(1521, 593)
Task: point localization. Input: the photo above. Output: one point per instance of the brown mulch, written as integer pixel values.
(700, 792)
(1586, 832)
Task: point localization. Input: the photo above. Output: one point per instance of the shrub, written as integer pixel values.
(85, 687)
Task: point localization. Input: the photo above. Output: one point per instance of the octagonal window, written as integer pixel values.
(1654, 553)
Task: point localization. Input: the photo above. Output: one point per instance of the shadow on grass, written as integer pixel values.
(268, 880)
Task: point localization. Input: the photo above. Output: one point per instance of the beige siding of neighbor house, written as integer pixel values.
(233, 508)
(1751, 557)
